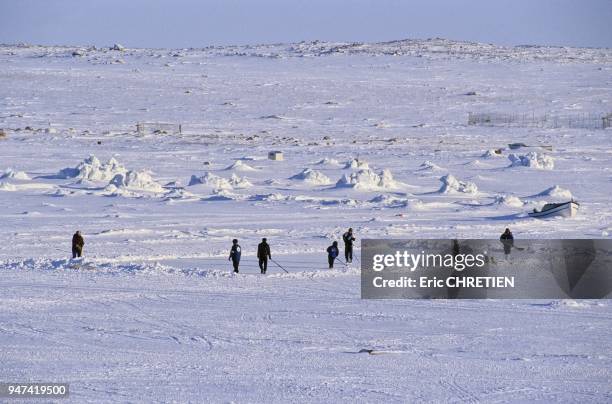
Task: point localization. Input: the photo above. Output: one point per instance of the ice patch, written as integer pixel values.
(451, 185)
(368, 180)
(9, 173)
(312, 177)
(532, 159)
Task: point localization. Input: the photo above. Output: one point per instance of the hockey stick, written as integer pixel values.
(279, 265)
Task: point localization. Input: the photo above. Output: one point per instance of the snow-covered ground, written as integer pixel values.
(374, 136)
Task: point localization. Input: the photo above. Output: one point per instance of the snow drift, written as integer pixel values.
(451, 185)
(533, 160)
(9, 173)
(312, 177)
(135, 180)
(508, 200)
(240, 166)
(357, 164)
(91, 169)
(556, 192)
(368, 180)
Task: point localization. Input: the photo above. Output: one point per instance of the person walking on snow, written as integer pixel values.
(332, 254)
(77, 244)
(263, 253)
(507, 240)
(234, 255)
(348, 239)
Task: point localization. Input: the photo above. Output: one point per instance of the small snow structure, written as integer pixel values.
(451, 185)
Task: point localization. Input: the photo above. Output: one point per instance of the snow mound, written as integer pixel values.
(135, 180)
(312, 177)
(491, 153)
(532, 159)
(5, 186)
(556, 192)
(451, 185)
(239, 182)
(12, 174)
(91, 169)
(357, 164)
(368, 180)
(211, 180)
(240, 166)
(430, 166)
(328, 162)
(508, 200)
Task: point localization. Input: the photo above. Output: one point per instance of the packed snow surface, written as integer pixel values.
(152, 313)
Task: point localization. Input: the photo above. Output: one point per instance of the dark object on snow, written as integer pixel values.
(507, 240)
(77, 244)
(506, 235)
(234, 255)
(263, 253)
(332, 254)
(348, 239)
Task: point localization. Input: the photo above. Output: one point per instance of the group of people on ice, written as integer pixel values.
(264, 253)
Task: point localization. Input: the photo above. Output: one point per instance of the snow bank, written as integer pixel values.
(451, 185)
(357, 164)
(532, 159)
(508, 200)
(368, 180)
(9, 173)
(312, 177)
(135, 180)
(91, 169)
(556, 192)
(219, 183)
(240, 166)
(491, 153)
(5, 186)
(239, 182)
(430, 166)
(211, 180)
(328, 162)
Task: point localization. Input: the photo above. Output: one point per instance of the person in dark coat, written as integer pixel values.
(263, 253)
(332, 254)
(235, 253)
(507, 240)
(348, 239)
(77, 244)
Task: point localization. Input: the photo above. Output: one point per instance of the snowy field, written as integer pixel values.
(375, 137)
